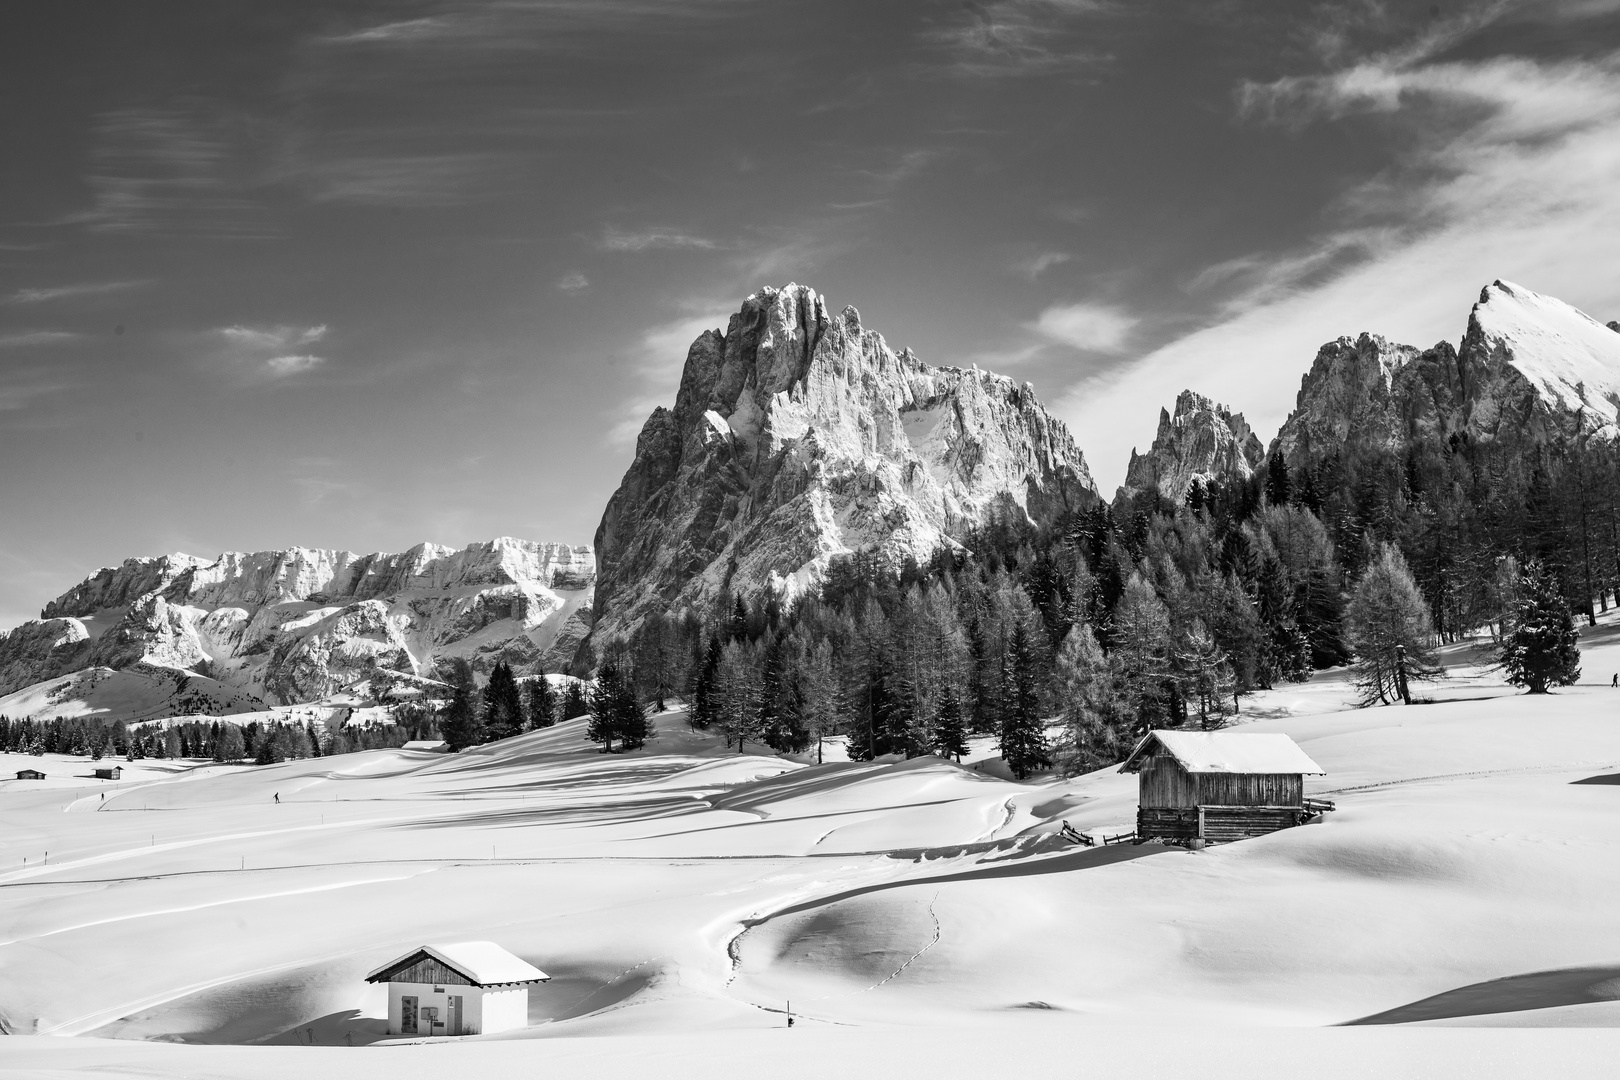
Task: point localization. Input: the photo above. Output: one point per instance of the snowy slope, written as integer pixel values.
(683, 895)
(135, 693)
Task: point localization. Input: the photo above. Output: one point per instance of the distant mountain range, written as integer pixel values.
(796, 436)
(1529, 368)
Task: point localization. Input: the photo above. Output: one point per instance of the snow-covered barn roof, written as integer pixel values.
(484, 963)
(1226, 752)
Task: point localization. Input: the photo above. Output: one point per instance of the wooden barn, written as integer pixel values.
(30, 774)
(468, 988)
(109, 772)
(1220, 785)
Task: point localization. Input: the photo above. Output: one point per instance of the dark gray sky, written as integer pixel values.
(360, 275)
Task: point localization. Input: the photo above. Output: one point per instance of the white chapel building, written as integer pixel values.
(469, 988)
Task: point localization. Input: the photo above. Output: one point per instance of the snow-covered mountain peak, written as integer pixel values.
(798, 435)
(1570, 358)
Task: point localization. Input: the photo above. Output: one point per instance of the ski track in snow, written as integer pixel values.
(245, 899)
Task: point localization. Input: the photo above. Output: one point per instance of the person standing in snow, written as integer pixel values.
(278, 798)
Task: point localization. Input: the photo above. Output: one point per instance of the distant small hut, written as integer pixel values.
(468, 988)
(30, 774)
(113, 772)
(1216, 786)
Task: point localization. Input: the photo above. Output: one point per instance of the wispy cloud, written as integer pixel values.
(1011, 38)
(26, 338)
(428, 179)
(1091, 327)
(652, 239)
(172, 170)
(70, 292)
(1033, 266)
(574, 282)
(273, 352)
(21, 388)
(1509, 167)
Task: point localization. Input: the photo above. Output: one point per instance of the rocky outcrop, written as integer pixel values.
(302, 624)
(798, 435)
(1530, 367)
(1347, 398)
(1202, 441)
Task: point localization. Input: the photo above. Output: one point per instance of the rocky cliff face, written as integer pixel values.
(297, 625)
(798, 435)
(1530, 367)
(1202, 441)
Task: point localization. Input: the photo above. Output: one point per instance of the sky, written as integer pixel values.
(361, 275)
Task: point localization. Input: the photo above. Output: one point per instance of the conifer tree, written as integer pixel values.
(950, 726)
(703, 709)
(574, 703)
(460, 726)
(605, 702)
(542, 703)
(1279, 486)
(1023, 733)
(230, 744)
(1388, 626)
(1541, 646)
(502, 705)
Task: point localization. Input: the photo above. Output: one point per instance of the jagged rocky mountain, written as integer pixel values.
(280, 627)
(1530, 367)
(798, 435)
(1202, 441)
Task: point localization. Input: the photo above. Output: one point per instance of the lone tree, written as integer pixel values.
(1540, 649)
(1388, 626)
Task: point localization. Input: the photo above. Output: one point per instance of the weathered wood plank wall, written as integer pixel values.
(1249, 789)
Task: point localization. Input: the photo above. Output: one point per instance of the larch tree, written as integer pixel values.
(1142, 655)
(1093, 733)
(1387, 625)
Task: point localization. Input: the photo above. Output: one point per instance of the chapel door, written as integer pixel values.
(407, 1014)
(455, 1015)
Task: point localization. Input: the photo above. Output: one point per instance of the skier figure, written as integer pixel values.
(1616, 680)
(278, 797)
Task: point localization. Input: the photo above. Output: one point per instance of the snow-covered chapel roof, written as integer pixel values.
(1225, 752)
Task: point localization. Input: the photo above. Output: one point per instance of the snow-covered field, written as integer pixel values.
(922, 918)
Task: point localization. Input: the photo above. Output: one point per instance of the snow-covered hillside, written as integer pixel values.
(302, 624)
(685, 895)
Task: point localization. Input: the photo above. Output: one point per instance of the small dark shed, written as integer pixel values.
(115, 772)
(1220, 785)
(30, 774)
